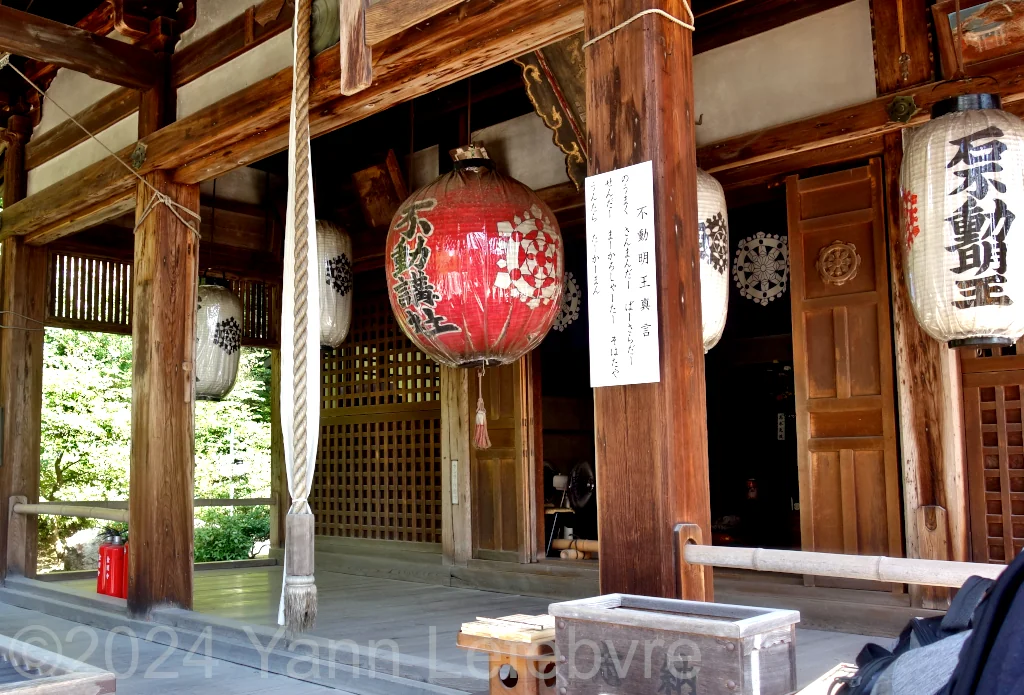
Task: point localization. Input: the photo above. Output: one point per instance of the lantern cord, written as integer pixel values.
(158, 196)
(481, 439)
(638, 15)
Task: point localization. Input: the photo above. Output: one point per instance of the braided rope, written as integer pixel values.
(299, 426)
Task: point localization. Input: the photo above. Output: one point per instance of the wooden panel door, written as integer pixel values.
(500, 475)
(842, 358)
(993, 437)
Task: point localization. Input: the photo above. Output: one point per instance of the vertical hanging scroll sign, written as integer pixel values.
(622, 277)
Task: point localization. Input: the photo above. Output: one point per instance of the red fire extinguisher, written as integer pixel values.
(112, 577)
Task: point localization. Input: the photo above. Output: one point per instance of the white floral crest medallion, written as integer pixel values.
(532, 262)
(761, 267)
(571, 298)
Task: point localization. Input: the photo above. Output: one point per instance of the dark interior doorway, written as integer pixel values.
(567, 403)
(752, 446)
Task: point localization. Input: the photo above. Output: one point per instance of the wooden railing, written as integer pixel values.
(117, 510)
(694, 555)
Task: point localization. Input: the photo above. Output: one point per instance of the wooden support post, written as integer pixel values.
(23, 301)
(456, 481)
(278, 475)
(356, 56)
(930, 404)
(165, 282)
(652, 452)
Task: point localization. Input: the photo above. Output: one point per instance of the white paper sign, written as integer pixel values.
(622, 277)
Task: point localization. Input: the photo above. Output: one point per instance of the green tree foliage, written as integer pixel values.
(86, 428)
(231, 535)
(86, 438)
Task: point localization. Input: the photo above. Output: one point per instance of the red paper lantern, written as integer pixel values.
(475, 266)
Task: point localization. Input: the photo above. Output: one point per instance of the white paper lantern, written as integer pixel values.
(218, 341)
(334, 253)
(713, 227)
(961, 188)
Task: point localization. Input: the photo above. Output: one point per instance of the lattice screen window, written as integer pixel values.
(379, 469)
(89, 292)
(377, 365)
(1002, 451)
(94, 293)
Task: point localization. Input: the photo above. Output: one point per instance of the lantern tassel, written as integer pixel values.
(481, 439)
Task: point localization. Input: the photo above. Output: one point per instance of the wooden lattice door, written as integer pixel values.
(379, 464)
(842, 357)
(994, 440)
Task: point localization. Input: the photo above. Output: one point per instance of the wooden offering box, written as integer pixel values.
(637, 645)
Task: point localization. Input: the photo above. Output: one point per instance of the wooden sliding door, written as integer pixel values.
(842, 356)
(503, 479)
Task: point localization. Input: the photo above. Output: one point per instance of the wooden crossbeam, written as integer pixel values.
(869, 119)
(253, 122)
(69, 47)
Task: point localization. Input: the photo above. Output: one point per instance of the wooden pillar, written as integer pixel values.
(23, 301)
(930, 416)
(456, 481)
(652, 455)
(165, 282)
(278, 474)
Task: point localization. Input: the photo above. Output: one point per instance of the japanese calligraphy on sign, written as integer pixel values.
(413, 289)
(622, 277)
(980, 225)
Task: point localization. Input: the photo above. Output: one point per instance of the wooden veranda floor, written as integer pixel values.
(419, 620)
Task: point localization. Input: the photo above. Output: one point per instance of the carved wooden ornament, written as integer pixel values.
(838, 263)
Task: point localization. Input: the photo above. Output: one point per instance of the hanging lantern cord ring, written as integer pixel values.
(481, 439)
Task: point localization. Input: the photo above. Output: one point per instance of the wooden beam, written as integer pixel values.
(850, 123)
(389, 18)
(929, 398)
(253, 123)
(164, 286)
(105, 59)
(23, 284)
(97, 117)
(447, 49)
(902, 45)
(652, 450)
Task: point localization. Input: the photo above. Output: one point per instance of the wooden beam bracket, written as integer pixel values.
(32, 36)
(356, 56)
(690, 576)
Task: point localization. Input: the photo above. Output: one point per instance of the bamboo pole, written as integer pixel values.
(118, 510)
(870, 567)
(580, 544)
(83, 511)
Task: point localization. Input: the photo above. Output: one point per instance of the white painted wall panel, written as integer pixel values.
(247, 69)
(75, 92)
(812, 66)
(116, 137)
(244, 71)
(523, 149)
